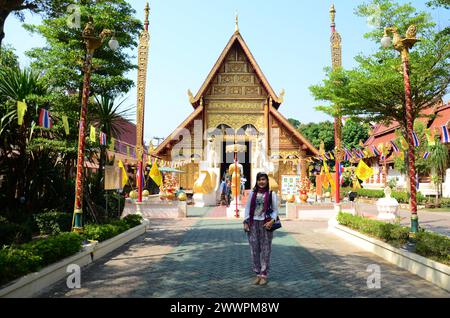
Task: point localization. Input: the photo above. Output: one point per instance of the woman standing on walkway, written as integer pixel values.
(259, 236)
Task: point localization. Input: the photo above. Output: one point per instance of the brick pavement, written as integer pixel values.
(211, 258)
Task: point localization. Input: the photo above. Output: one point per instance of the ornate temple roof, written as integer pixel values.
(235, 38)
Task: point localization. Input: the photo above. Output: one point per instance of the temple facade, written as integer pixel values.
(236, 105)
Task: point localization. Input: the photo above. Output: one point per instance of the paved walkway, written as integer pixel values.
(211, 258)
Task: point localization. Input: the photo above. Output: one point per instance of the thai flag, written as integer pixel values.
(394, 146)
(445, 139)
(361, 153)
(140, 176)
(102, 139)
(341, 175)
(426, 155)
(375, 151)
(347, 156)
(326, 156)
(44, 119)
(416, 140)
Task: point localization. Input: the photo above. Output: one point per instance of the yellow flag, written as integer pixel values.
(124, 174)
(21, 108)
(328, 176)
(112, 143)
(363, 171)
(66, 124)
(356, 184)
(403, 143)
(92, 134)
(401, 155)
(430, 137)
(155, 174)
(128, 151)
(331, 155)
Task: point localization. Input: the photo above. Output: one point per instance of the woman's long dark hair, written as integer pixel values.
(259, 176)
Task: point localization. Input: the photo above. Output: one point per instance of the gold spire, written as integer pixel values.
(332, 15)
(146, 10)
(236, 27)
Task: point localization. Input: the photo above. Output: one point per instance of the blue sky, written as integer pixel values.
(288, 38)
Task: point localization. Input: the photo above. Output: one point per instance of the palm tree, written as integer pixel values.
(107, 114)
(17, 85)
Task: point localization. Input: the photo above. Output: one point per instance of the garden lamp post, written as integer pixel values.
(403, 45)
(92, 42)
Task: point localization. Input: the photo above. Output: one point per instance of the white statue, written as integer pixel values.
(259, 158)
(212, 154)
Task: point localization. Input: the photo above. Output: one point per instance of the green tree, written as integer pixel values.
(374, 89)
(106, 115)
(317, 132)
(353, 132)
(61, 60)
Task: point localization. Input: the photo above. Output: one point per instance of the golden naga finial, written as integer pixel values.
(191, 96)
(236, 26)
(146, 10)
(332, 15)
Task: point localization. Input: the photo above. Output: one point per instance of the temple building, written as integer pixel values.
(236, 105)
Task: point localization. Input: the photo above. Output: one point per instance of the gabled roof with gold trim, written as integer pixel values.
(294, 131)
(236, 37)
(175, 133)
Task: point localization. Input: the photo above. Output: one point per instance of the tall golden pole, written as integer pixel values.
(141, 80)
(336, 62)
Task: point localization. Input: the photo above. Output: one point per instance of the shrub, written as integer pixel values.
(15, 263)
(428, 244)
(434, 246)
(102, 232)
(53, 222)
(445, 202)
(11, 233)
(133, 220)
(54, 248)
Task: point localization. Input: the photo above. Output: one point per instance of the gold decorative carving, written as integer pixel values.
(232, 105)
(245, 79)
(235, 90)
(236, 67)
(236, 121)
(225, 79)
(252, 90)
(219, 90)
(141, 80)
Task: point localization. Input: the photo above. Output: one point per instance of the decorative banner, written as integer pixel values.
(430, 137)
(21, 108)
(363, 171)
(140, 177)
(416, 140)
(445, 138)
(341, 173)
(394, 146)
(328, 176)
(65, 124)
(124, 173)
(403, 143)
(426, 155)
(112, 144)
(92, 134)
(155, 174)
(102, 138)
(44, 119)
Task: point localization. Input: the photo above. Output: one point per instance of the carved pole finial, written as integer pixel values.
(333, 16)
(146, 10)
(236, 26)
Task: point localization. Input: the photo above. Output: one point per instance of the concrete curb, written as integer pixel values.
(33, 283)
(432, 271)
